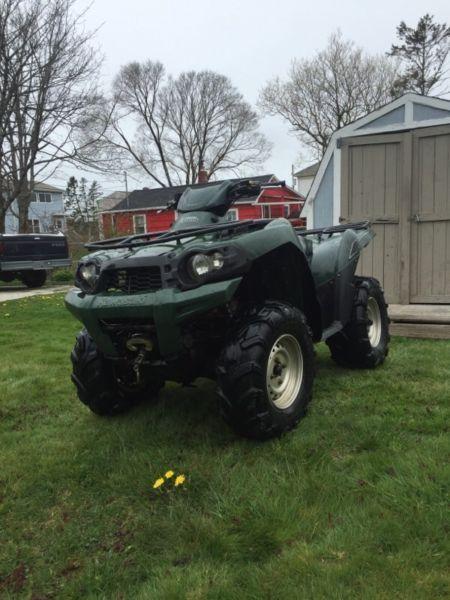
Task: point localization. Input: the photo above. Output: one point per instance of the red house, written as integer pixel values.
(143, 211)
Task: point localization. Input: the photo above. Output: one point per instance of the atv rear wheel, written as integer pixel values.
(364, 341)
(266, 372)
(97, 382)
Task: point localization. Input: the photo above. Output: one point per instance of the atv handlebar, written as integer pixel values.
(249, 187)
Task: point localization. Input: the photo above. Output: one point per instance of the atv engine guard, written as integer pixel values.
(167, 309)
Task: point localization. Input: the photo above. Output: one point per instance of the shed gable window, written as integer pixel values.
(139, 224)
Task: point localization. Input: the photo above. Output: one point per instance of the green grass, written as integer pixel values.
(351, 504)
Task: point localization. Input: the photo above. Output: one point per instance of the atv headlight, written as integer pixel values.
(208, 265)
(88, 274)
(201, 265)
(217, 260)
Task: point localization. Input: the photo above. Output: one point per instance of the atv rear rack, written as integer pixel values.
(333, 229)
(148, 239)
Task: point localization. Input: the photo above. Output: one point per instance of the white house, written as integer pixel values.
(303, 182)
(46, 211)
(305, 177)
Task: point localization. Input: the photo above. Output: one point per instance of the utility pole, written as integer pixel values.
(126, 187)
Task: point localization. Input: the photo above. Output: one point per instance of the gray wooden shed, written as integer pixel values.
(392, 167)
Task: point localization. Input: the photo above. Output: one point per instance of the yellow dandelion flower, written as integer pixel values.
(158, 483)
(169, 474)
(179, 480)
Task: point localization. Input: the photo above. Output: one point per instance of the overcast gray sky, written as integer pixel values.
(250, 41)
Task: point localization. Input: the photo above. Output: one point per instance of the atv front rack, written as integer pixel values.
(148, 239)
(334, 229)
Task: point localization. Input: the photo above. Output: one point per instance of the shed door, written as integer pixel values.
(372, 171)
(430, 229)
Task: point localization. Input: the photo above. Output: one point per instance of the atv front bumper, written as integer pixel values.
(167, 309)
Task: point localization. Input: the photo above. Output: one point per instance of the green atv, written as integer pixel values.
(240, 302)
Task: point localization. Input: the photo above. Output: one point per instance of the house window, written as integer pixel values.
(33, 197)
(139, 224)
(286, 211)
(44, 197)
(58, 224)
(266, 213)
(33, 226)
(232, 215)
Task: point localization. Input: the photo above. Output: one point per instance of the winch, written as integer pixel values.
(141, 345)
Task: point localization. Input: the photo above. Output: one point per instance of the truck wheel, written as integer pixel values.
(364, 341)
(34, 279)
(97, 383)
(266, 372)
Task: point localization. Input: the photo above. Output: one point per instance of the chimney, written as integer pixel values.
(202, 173)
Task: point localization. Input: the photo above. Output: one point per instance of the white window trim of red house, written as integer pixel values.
(286, 208)
(263, 211)
(145, 222)
(233, 210)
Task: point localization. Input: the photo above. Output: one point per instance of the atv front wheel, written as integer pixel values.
(266, 372)
(97, 382)
(364, 341)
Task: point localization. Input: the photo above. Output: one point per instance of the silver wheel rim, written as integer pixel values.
(284, 371)
(374, 315)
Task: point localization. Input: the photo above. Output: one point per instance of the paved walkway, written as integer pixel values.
(16, 293)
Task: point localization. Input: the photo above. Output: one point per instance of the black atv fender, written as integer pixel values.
(283, 274)
(336, 294)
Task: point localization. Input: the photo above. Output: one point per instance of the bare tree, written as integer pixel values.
(14, 54)
(167, 127)
(423, 52)
(335, 87)
(46, 98)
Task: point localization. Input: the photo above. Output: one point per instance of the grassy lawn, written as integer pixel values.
(352, 504)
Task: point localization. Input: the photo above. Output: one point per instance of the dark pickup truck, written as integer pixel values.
(28, 256)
